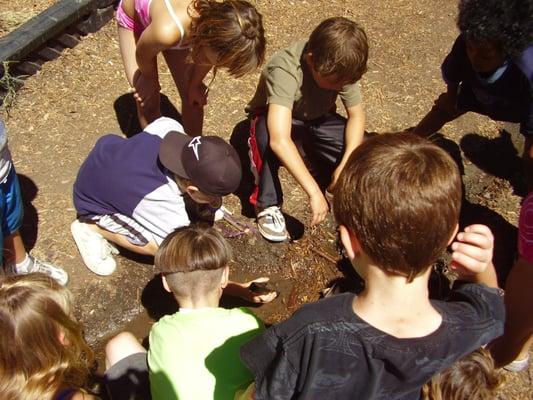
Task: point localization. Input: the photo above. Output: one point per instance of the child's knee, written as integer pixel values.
(122, 340)
(119, 347)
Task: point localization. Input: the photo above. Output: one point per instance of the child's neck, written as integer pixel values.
(396, 307)
(209, 301)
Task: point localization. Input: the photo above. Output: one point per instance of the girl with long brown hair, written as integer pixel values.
(212, 34)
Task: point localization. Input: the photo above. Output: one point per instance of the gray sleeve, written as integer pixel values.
(281, 87)
(351, 95)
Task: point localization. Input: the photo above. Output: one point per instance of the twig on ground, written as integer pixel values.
(325, 255)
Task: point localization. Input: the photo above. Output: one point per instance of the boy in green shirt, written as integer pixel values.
(295, 98)
(194, 353)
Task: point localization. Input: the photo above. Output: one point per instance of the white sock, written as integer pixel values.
(24, 266)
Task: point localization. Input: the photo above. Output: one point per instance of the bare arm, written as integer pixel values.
(279, 122)
(197, 92)
(242, 290)
(353, 137)
(153, 40)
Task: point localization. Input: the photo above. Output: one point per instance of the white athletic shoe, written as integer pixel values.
(96, 252)
(271, 224)
(517, 365)
(36, 265)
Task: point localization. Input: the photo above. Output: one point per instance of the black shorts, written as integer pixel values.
(128, 378)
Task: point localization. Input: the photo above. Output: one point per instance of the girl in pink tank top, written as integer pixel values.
(183, 30)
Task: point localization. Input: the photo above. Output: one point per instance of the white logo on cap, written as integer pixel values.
(194, 143)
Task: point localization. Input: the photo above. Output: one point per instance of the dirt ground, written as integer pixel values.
(60, 113)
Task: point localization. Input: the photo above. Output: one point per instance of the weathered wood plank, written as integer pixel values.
(43, 27)
(96, 20)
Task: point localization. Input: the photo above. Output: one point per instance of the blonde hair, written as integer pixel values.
(192, 259)
(233, 29)
(42, 347)
(472, 377)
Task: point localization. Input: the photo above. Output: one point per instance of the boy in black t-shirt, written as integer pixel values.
(397, 203)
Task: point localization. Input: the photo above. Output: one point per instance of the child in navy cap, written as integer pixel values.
(132, 191)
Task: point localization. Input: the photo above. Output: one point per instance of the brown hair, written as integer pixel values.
(339, 49)
(400, 195)
(233, 29)
(35, 359)
(192, 258)
(473, 377)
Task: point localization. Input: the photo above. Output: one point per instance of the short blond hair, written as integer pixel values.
(192, 259)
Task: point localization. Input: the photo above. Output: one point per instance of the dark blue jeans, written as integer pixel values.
(322, 142)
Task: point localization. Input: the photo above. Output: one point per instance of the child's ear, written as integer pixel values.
(165, 284)
(191, 190)
(63, 338)
(309, 59)
(454, 234)
(350, 242)
(225, 277)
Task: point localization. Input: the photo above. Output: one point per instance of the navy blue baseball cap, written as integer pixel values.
(209, 162)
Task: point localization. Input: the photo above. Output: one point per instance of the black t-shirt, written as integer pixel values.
(325, 351)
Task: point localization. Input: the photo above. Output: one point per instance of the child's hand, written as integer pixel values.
(145, 87)
(319, 208)
(198, 95)
(243, 291)
(472, 250)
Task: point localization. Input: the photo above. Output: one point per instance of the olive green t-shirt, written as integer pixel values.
(195, 355)
(287, 80)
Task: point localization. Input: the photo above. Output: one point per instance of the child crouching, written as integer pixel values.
(194, 353)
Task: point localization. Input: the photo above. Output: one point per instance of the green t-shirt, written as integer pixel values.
(287, 80)
(194, 355)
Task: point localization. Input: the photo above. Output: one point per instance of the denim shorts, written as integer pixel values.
(11, 209)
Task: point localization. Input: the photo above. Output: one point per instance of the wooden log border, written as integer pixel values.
(45, 36)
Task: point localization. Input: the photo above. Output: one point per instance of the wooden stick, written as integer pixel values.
(325, 255)
(235, 223)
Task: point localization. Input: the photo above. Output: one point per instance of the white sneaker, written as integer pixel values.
(96, 252)
(36, 265)
(271, 224)
(517, 365)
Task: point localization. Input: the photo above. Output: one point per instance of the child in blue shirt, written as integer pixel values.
(14, 256)
(490, 68)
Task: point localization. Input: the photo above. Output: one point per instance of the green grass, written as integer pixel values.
(8, 87)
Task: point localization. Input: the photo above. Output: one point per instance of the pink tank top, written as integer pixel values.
(525, 230)
(142, 8)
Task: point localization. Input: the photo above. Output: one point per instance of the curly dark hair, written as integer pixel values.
(508, 23)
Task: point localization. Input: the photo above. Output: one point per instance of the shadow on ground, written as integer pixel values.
(497, 157)
(30, 223)
(126, 112)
